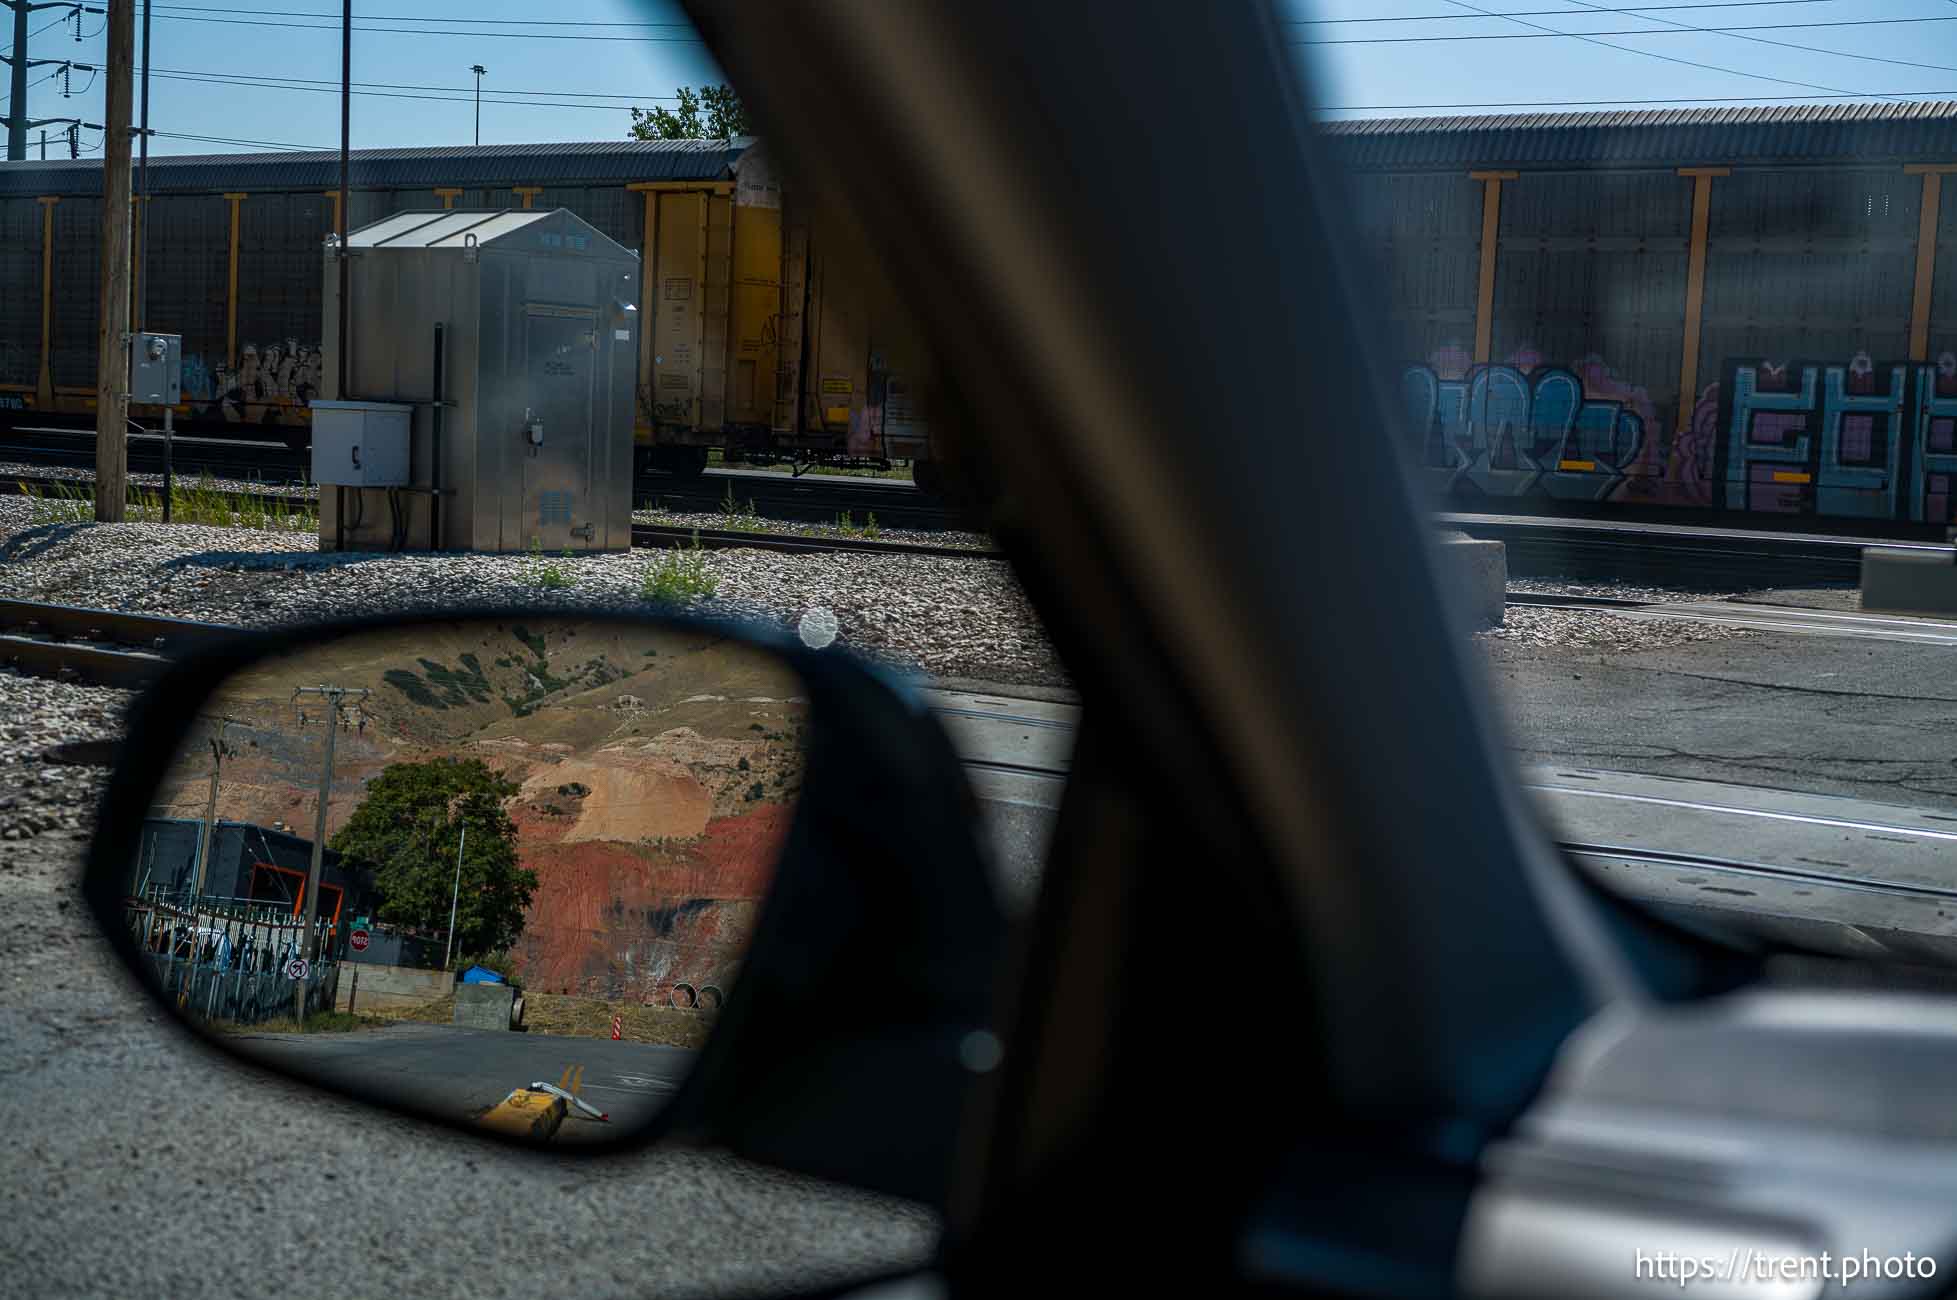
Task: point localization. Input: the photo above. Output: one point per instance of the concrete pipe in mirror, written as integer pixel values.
(480, 869)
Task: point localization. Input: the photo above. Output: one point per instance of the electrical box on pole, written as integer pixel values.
(156, 369)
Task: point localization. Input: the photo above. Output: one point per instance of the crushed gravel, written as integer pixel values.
(1602, 630)
(949, 617)
(37, 716)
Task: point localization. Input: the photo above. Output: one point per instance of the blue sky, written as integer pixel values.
(548, 77)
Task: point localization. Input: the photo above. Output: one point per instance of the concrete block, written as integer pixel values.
(484, 1006)
(1909, 582)
(366, 986)
(1478, 574)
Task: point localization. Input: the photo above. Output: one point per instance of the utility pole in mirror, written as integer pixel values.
(218, 752)
(336, 698)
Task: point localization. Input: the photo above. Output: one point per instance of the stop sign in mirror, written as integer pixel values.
(358, 940)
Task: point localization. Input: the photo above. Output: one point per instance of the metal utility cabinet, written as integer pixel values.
(510, 339)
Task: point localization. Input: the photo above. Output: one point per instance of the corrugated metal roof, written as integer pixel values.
(1878, 133)
(603, 162)
(1914, 131)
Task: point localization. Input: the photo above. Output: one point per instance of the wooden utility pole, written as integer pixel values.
(112, 341)
(336, 698)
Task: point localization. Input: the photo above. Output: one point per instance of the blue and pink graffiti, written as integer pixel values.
(1859, 439)
(1854, 439)
(1570, 433)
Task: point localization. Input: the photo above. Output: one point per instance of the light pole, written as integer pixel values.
(455, 895)
(479, 70)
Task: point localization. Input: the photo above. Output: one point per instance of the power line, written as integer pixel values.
(1789, 45)
(263, 144)
(315, 83)
(541, 22)
(1544, 33)
(1669, 58)
(427, 31)
(221, 79)
(1546, 13)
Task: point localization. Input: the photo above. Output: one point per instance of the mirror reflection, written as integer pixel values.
(501, 872)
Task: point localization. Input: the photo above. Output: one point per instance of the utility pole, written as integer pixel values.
(346, 213)
(335, 697)
(478, 69)
(112, 341)
(16, 120)
(142, 221)
(218, 751)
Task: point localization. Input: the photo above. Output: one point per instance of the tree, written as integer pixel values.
(406, 831)
(725, 117)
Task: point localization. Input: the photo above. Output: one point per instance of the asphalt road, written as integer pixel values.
(458, 1073)
(1849, 716)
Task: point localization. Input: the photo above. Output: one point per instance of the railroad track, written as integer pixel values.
(98, 646)
(664, 535)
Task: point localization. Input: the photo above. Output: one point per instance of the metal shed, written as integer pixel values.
(507, 344)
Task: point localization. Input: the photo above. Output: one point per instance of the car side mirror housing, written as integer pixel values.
(598, 786)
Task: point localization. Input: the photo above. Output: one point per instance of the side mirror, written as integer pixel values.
(577, 879)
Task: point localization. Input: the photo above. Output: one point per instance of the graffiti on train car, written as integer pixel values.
(1857, 439)
(271, 385)
(1850, 439)
(1526, 426)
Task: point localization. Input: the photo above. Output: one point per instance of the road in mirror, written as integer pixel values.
(527, 888)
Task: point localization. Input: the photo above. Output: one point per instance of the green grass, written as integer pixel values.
(678, 575)
(195, 502)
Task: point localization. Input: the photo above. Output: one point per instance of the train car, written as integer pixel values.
(753, 342)
(1721, 312)
(1746, 312)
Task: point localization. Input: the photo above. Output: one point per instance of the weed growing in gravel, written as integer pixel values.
(744, 518)
(547, 574)
(199, 502)
(62, 505)
(850, 529)
(679, 574)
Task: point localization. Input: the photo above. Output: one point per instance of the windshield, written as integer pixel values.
(1672, 308)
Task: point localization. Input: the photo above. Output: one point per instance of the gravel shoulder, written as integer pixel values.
(949, 617)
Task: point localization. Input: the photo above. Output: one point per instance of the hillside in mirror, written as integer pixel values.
(496, 871)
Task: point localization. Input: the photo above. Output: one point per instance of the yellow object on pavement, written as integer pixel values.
(526, 1113)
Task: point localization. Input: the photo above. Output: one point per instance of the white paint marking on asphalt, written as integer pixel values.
(1840, 823)
(1806, 622)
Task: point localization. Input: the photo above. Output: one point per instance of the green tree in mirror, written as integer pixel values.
(407, 830)
(710, 113)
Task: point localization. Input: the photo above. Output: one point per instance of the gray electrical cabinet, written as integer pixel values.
(156, 369)
(530, 441)
(361, 444)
